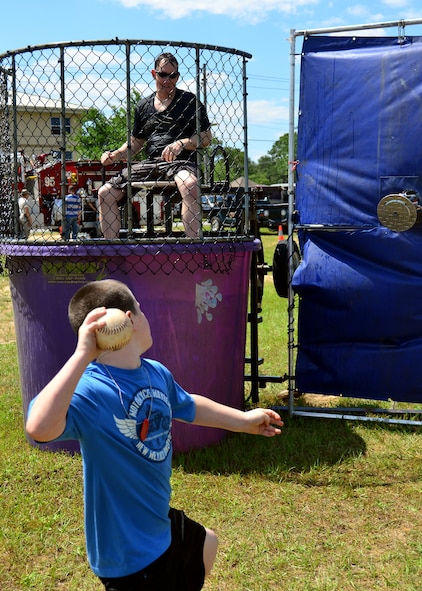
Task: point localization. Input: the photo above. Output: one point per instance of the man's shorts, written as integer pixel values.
(151, 170)
(181, 567)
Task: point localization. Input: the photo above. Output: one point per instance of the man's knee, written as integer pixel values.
(187, 183)
(107, 193)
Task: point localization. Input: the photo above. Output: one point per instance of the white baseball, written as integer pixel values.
(117, 331)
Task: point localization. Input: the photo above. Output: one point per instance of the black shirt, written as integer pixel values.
(177, 121)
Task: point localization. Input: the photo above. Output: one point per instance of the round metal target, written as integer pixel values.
(397, 212)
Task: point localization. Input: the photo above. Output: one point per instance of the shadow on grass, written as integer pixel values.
(303, 445)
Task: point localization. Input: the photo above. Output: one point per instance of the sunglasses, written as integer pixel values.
(172, 76)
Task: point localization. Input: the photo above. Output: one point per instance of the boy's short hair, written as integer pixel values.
(108, 292)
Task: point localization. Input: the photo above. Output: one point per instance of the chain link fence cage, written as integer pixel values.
(64, 105)
(183, 239)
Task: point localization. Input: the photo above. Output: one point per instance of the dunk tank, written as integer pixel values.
(63, 105)
(358, 214)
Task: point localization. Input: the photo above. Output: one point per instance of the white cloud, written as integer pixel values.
(396, 3)
(363, 12)
(268, 113)
(247, 10)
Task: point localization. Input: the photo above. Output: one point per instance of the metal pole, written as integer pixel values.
(63, 137)
(291, 189)
(129, 145)
(348, 28)
(206, 154)
(246, 196)
(253, 317)
(15, 149)
(198, 132)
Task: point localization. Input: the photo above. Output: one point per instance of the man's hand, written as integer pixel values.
(107, 158)
(171, 151)
(47, 419)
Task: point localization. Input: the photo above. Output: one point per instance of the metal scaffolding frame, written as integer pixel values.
(394, 416)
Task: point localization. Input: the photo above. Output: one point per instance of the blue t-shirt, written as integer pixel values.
(73, 205)
(126, 478)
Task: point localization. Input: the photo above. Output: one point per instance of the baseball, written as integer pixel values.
(116, 333)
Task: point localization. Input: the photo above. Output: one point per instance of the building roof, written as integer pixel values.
(240, 182)
(43, 103)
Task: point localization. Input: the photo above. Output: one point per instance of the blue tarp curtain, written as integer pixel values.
(360, 283)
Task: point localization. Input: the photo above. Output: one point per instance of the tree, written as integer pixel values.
(262, 172)
(226, 159)
(99, 133)
(273, 167)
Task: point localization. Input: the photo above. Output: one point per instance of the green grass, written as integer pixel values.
(327, 506)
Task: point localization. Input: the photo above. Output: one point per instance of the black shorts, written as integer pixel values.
(181, 567)
(151, 170)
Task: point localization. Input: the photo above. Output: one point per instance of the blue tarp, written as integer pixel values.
(360, 283)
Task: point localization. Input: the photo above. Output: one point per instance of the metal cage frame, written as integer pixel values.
(377, 415)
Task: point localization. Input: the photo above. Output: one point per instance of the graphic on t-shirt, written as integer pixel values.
(148, 424)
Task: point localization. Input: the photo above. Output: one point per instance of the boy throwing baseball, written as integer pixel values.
(120, 408)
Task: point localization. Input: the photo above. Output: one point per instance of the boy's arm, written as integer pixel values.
(255, 422)
(47, 419)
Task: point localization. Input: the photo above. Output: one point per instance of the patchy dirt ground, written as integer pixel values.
(7, 327)
(310, 399)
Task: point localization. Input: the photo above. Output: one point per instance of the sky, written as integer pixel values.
(259, 27)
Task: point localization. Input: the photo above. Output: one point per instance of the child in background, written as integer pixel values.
(73, 214)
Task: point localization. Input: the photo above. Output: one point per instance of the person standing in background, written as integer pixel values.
(25, 218)
(73, 214)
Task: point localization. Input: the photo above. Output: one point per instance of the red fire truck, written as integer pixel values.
(88, 175)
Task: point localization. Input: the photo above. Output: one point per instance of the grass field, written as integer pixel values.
(327, 506)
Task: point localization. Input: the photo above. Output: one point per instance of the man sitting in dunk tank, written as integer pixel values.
(165, 122)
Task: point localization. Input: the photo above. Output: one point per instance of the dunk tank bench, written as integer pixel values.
(170, 195)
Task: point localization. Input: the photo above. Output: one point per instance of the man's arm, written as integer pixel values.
(121, 153)
(47, 419)
(192, 143)
(255, 422)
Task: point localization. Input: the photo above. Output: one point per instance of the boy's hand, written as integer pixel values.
(47, 419)
(87, 341)
(261, 421)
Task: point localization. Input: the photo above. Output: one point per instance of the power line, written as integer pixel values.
(268, 88)
(275, 78)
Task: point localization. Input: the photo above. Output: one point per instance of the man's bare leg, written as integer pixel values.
(210, 550)
(187, 185)
(108, 210)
